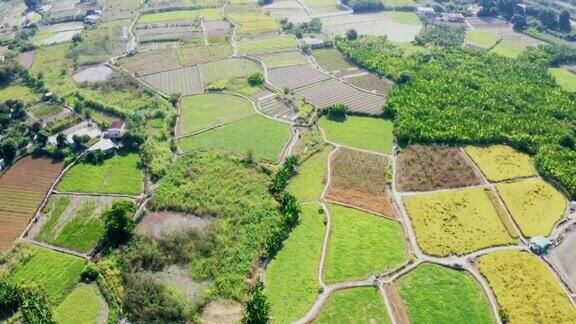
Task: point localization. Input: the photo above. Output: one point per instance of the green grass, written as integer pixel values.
(362, 244)
(367, 133)
(435, 294)
(207, 110)
(409, 18)
(508, 49)
(120, 174)
(57, 273)
(291, 284)
(262, 136)
(283, 59)
(565, 79)
(356, 305)
(268, 45)
(18, 92)
(180, 15)
(83, 305)
(43, 110)
(309, 184)
(228, 69)
(482, 39)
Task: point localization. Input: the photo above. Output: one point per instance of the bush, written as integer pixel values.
(90, 273)
(441, 35)
(10, 298)
(337, 112)
(258, 307)
(256, 80)
(119, 222)
(35, 306)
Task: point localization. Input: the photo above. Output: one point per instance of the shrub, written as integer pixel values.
(257, 308)
(256, 79)
(10, 298)
(118, 221)
(337, 112)
(90, 273)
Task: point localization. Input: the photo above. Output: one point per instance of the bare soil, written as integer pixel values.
(400, 312)
(222, 312)
(157, 225)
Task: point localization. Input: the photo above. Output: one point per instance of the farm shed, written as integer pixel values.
(540, 244)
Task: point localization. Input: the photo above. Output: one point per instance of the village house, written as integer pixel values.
(105, 145)
(116, 130)
(87, 128)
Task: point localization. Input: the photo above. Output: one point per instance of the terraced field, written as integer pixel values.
(309, 184)
(180, 16)
(276, 60)
(275, 107)
(371, 83)
(268, 45)
(294, 77)
(151, 62)
(331, 61)
(509, 49)
(185, 81)
(565, 79)
(481, 39)
(227, 69)
(200, 54)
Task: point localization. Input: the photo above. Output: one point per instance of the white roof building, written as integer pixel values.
(105, 145)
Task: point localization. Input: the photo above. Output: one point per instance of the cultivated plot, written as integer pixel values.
(252, 23)
(331, 61)
(435, 294)
(150, 62)
(181, 16)
(526, 290)
(84, 304)
(370, 82)
(278, 108)
(508, 48)
(273, 44)
(290, 9)
(378, 24)
(18, 92)
(534, 204)
(500, 162)
(94, 74)
(293, 77)
(216, 28)
(167, 32)
(456, 222)
(200, 54)
(185, 81)
(164, 224)
(208, 110)
(310, 181)
(481, 39)
(46, 111)
(364, 133)
(359, 179)
(362, 244)
(355, 305)
(566, 79)
(228, 69)
(276, 60)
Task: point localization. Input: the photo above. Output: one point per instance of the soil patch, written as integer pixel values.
(94, 74)
(157, 225)
(177, 278)
(222, 311)
(28, 59)
(399, 310)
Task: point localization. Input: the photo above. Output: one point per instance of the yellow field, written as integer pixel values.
(455, 222)
(525, 289)
(534, 204)
(500, 162)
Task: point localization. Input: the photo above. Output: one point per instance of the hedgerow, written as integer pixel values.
(456, 96)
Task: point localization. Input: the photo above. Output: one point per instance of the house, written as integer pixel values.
(426, 13)
(92, 19)
(105, 145)
(84, 128)
(540, 244)
(116, 130)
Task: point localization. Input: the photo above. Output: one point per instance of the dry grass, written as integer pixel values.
(500, 162)
(525, 289)
(359, 179)
(424, 168)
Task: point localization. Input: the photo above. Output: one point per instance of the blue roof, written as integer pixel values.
(541, 241)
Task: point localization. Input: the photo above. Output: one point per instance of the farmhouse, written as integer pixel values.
(452, 17)
(84, 128)
(105, 145)
(116, 130)
(540, 244)
(426, 13)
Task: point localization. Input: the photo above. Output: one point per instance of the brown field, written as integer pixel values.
(371, 83)
(216, 28)
(151, 62)
(359, 179)
(424, 168)
(22, 190)
(293, 77)
(157, 225)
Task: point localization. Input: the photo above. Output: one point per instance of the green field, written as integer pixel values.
(180, 15)
(120, 174)
(366, 133)
(482, 39)
(355, 305)
(268, 45)
(309, 184)
(435, 294)
(508, 49)
(208, 110)
(262, 136)
(43, 110)
(565, 79)
(83, 305)
(409, 18)
(197, 54)
(18, 92)
(252, 22)
(56, 272)
(331, 60)
(500, 162)
(291, 284)
(362, 244)
(282, 59)
(228, 69)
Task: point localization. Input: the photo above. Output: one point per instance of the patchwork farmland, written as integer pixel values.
(185, 81)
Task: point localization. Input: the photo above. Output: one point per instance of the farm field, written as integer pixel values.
(565, 79)
(74, 222)
(151, 62)
(500, 162)
(56, 272)
(310, 181)
(22, 189)
(83, 305)
(359, 179)
(508, 49)
(331, 61)
(355, 305)
(365, 133)
(200, 54)
(425, 168)
(408, 18)
(371, 83)
(119, 174)
(18, 92)
(291, 283)
(268, 45)
(362, 244)
(43, 110)
(163, 224)
(535, 205)
(526, 290)
(377, 24)
(252, 22)
(180, 15)
(185, 81)
(208, 110)
(323, 6)
(94, 74)
(228, 69)
(435, 294)
(482, 39)
(260, 135)
(456, 222)
(293, 77)
(283, 59)
(168, 33)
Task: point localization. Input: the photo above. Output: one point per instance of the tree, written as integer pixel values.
(61, 140)
(257, 308)
(32, 4)
(10, 298)
(8, 148)
(41, 138)
(564, 21)
(118, 221)
(351, 34)
(336, 112)
(174, 98)
(35, 306)
(548, 18)
(256, 79)
(519, 22)
(95, 157)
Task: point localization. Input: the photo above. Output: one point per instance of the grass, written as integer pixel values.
(435, 294)
(481, 38)
(362, 244)
(253, 22)
(456, 222)
(309, 184)
(508, 49)
(19, 92)
(120, 174)
(291, 284)
(180, 15)
(283, 59)
(534, 204)
(261, 136)
(525, 289)
(500, 162)
(268, 45)
(212, 109)
(565, 79)
(228, 69)
(355, 305)
(43, 110)
(367, 133)
(409, 18)
(424, 168)
(83, 305)
(57, 273)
